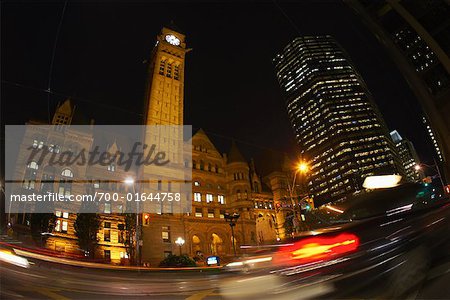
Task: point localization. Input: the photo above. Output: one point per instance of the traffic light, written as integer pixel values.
(277, 207)
(146, 219)
(427, 179)
(311, 202)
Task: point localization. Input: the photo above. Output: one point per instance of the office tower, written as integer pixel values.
(416, 36)
(336, 123)
(408, 157)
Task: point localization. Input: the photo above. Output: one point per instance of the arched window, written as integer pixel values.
(65, 183)
(112, 167)
(29, 180)
(202, 165)
(238, 192)
(67, 173)
(48, 180)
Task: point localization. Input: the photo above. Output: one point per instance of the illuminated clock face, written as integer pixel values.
(173, 40)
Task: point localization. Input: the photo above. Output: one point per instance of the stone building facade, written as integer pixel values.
(221, 183)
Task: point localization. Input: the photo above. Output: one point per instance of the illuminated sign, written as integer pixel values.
(212, 260)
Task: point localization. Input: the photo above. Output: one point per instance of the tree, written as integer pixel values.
(86, 228)
(178, 261)
(288, 223)
(130, 229)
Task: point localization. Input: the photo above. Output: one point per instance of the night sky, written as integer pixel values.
(230, 86)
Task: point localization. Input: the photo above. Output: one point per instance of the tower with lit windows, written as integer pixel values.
(165, 93)
(164, 111)
(408, 157)
(336, 123)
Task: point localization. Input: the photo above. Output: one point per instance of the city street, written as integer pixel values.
(262, 150)
(61, 282)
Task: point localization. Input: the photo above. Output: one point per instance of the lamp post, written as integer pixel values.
(232, 219)
(180, 242)
(302, 167)
(130, 182)
(435, 167)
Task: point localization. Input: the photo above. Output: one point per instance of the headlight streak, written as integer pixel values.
(14, 259)
(398, 210)
(391, 222)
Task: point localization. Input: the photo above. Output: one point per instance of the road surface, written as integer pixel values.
(52, 281)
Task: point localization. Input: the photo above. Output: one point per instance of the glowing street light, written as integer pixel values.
(302, 167)
(435, 167)
(129, 181)
(180, 242)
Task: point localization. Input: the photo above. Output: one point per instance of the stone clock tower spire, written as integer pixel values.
(165, 92)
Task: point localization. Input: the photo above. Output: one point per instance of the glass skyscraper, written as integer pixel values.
(336, 123)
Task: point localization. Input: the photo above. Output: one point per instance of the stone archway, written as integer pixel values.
(196, 245)
(216, 244)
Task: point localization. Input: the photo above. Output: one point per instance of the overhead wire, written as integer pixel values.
(50, 73)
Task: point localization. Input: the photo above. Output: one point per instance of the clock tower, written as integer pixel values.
(165, 90)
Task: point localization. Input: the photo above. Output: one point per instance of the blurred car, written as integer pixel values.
(379, 243)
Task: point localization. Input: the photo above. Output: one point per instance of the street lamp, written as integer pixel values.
(130, 182)
(435, 167)
(180, 242)
(302, 167)
(232, 219)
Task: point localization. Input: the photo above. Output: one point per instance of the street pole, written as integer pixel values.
(137, 237)
(232, 239)
(439, 173)
(291, 193)
(232, 220)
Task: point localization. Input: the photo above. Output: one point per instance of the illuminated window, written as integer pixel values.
(65, 184)
(65, 215)
(38, 144)
(221, 199)
(210, 213)
(165, 234)
(64, 226)
(29, 180)
(107, 232)
(58, 225)
(209, 198)
(197, 197)
(107, 208)
(196, 183)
